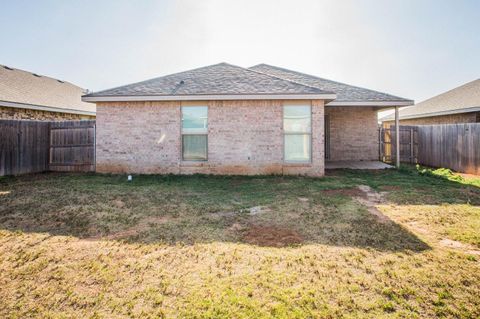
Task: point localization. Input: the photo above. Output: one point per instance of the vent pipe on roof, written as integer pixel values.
(182, 82)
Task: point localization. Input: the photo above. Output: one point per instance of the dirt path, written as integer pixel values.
(372, 198)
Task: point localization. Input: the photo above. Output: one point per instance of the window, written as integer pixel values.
(194, 133)
(297, 133)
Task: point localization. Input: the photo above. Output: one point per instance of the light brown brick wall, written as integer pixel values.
(353, 133)
(443, 119)
(244, 137)
(10, 113)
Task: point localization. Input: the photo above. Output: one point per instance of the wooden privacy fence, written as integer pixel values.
(23, 147)
(36, 146)
(72, 146)
(454, 146)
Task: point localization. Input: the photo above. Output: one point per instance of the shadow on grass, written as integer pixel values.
(202, 209)
(413, 185)
(267, 211)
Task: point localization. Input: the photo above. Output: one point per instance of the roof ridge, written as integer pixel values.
(289, 80)
(433, 98)
(320, 91)
(324, 79)
(157, 77)
(38, 75)
(449, 91)
(276, 77)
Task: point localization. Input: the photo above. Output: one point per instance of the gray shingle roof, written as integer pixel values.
(30, 89)
(218, 79)
(345, 92)
(465, 98)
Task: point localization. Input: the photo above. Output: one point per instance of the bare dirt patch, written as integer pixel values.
(271, 236)
(453, 244)
(365, 195)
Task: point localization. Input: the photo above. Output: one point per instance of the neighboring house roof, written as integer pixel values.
(22, 89)
(463, 99)
(219, 81)
(346, 94)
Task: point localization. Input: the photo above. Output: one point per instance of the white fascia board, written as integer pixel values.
(44, 108)
(379, 103)
(208, 97)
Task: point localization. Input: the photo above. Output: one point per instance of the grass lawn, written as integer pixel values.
(354, 244)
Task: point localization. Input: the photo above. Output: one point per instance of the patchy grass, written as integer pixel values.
(240, 247)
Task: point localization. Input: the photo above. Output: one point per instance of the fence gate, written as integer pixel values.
(72, 146)
(408, 144)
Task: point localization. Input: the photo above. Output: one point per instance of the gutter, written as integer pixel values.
(371, 103)
(449, 112)
(45, 108)
(127, 98)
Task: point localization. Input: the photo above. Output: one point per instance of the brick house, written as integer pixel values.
(30, 96)
(224, 119)
(459, 105)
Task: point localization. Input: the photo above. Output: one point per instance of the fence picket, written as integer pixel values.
(454, 146)
(25, 146)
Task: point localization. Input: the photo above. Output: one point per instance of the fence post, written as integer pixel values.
(380, 145)
(411, 146)
(397, 138)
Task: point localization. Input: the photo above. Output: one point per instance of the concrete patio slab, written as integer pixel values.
(357, 165)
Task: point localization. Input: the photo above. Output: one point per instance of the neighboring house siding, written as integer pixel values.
(244, 137)
(9, 113)
(472, 117)
(353, 133)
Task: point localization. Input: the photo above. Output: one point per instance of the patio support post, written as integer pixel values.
(397, 138)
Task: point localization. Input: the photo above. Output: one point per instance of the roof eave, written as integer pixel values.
(372, 103)
(45, 108)
(440, 113)
(128, 98)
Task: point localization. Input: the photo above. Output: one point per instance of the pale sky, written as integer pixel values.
(411, 48)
